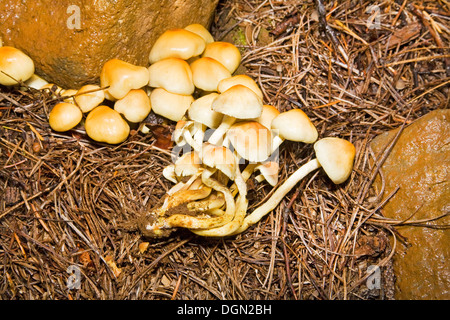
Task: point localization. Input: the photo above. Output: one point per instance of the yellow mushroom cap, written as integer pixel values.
(89, 100)
(177, 43)
(200, 30)
(64, 116)
(104, 124)
(121, 77)
(269, 170)
(170, 105)
(238, 102)
(135, 106)
(68, 95)
(224, 52)
(219, 157)
(200, 111)
(251, 140)
(242, 79)
(14, 66)
(172, 74)
(269, 113)
(336, 156)
(207, 73)
(295, 125)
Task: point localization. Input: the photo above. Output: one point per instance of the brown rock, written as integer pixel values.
(419, 165)
(72, 55)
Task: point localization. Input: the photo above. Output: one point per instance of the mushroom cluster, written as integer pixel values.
(224, 131)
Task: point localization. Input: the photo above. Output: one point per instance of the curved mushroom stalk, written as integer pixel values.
(334, 155)
(189, 132)
(214, 201)
(231, 227)
(177, 134)
(240, 182)
(278, 195)
(192, 222)
(199, 134)
(245, 175)
(184, 196)
(185, 166)
(229, 199)
(155, 224)
(192, 181)
(216, 212)
(194, 135)
(241, 209)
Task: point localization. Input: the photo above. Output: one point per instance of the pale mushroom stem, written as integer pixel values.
(200, 134)
(241, 211)
(260, 178)
(218, 134)
(183, 185)
(212, 202)
(192, 142)
(276, 142)
(184, 196)
(278, 195)
(245, 175)
(231, 227)
(179, 187)
(187, 221)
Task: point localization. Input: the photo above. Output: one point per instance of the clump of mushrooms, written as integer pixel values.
(221, 121)
(221, 124)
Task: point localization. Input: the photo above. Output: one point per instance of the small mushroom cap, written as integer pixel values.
(64, 116)
(336, 156)
(172, 74)
(104, 124)
(269, 170)
(188, 164)
(251, 140)
(269, 113)
(224, 52)
(170, 105)
(200, 111)
(219, 157)
(68, 95)
(135, 106)
(88, 101)
(200, 30)
(14, 66)
(207, 73)
(238, 102)
(242, 79)
(177, 43)
(295, 125)
(121, 77)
